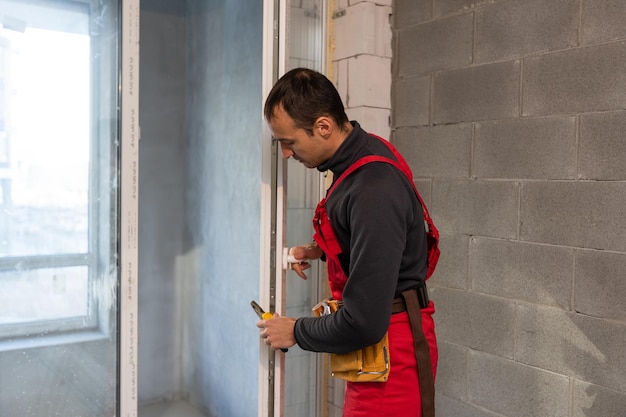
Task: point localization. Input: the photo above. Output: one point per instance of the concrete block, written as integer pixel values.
(451, 407)
(440, 151)
(451, 270)
(341, 79)
(535, 273)
(410, 101)
(600, 276)
(602, 146)
(477, 321)
(481, 208)
(578, 80)
(451, 379)
(595, 401)
(514, 29)
(602, 21)
(586, 348)
(436, 45)
(484, 92)
(363, 29)
(378, 2)
(369, 81)
(444, 7)
(410, 12)
(424, 188)
(537, 148)
(341, 4)
(581, 214)
(516, 390)
(373, 120)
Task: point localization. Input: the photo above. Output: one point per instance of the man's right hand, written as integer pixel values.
(306, 252)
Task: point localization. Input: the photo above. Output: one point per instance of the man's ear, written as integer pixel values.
(325, 126)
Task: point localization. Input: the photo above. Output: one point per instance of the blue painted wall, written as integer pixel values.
(200, 190)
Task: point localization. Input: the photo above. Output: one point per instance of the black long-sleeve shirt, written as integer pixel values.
(379, 223)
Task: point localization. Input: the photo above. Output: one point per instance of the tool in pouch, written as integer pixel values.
(369, 364)
(263, 315)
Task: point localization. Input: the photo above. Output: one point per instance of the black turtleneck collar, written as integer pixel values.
(350, 150)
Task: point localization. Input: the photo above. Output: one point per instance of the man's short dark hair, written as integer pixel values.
(306, 95)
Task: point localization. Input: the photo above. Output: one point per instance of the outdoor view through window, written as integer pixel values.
(55, 170)
(45, 173)
(59, 199)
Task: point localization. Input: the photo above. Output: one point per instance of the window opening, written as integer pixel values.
(57, 179)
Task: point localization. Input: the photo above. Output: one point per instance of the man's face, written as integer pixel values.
(309, 150)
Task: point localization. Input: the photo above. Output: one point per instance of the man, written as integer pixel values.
(374, 242)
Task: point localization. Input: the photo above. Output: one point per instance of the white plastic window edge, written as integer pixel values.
(130, 135)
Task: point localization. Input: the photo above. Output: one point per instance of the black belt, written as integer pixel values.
(398, 305)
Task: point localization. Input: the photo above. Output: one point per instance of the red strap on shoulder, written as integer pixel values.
(432, 234)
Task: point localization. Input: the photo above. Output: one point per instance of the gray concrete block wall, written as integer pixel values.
(579, 80)
(472, 93)
(512, 117)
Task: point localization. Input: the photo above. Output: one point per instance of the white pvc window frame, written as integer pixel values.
(129, 180)
(270, 371)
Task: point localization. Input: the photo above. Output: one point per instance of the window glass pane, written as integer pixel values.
(63, 292)
(305, 46)
(46, 133)
(59, 277)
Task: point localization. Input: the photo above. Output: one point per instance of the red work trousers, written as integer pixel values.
(400, 395)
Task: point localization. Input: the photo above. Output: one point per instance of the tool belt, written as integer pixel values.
(372, 363)
(329, 305)
(369, 364)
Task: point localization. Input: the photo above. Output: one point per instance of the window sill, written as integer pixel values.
(52, 340)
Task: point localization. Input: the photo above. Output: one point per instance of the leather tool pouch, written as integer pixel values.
(369, 364)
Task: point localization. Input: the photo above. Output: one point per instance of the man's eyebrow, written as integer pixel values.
(275, 139)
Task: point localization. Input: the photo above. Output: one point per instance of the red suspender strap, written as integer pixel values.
(432, 234)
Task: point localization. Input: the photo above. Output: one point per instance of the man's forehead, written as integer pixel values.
(281, 120)
(279, 111)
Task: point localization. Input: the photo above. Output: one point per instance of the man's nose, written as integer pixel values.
(286, 151)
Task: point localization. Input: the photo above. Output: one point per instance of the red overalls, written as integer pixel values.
(400, 395)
